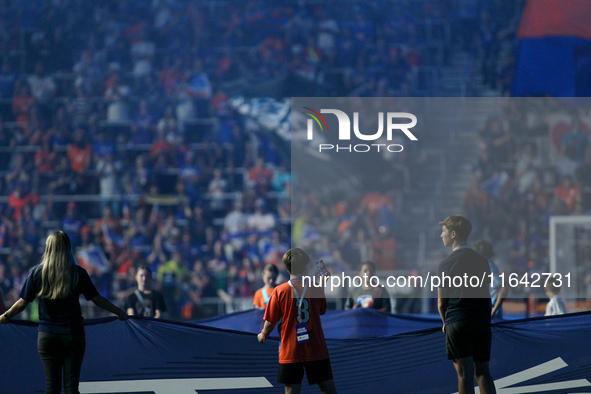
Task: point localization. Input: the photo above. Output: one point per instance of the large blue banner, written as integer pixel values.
(354, 323)
(549, 355)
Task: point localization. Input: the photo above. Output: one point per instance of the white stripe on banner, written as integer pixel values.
(173, 386)
(534, 372)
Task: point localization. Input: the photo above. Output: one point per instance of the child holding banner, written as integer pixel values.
(303, 346)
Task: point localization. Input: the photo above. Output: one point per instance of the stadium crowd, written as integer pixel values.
(107, 111)
(116, 127)
(533, 163)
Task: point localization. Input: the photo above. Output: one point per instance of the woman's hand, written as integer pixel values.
(123, 316)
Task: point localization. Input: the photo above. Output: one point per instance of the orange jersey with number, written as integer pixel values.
(282, 306)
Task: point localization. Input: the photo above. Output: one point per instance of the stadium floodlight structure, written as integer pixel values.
(570, 253)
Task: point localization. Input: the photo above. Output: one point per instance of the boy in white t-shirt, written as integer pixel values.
(556, 304)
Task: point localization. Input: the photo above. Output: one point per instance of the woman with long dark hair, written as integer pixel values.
(58, 282)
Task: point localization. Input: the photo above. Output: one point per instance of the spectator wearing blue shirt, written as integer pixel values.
(575, 142)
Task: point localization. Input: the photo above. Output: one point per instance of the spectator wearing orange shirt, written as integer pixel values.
(22, 103)
(45, 157)
(18, 200)
(80, 156)
(260, 177)
(79, 153)
(568, 192)
(262, 295)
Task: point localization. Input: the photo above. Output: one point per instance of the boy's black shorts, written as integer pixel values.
(468, 338)
(316, 371)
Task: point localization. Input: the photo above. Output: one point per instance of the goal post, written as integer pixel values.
(570, 253)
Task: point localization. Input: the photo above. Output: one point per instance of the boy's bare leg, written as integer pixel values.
(293, 388)
(465, 369)
(327, 387)
(484, 378)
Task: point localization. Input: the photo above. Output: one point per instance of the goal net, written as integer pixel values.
(570, 254)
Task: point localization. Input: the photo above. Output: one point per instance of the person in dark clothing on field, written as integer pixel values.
(465, 307)
(57, 283)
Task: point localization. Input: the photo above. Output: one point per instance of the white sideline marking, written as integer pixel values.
(172, 386)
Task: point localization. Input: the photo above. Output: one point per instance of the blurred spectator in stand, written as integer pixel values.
(109, 170)
(327, 30)
(250, 249)
(170, 233)
(498, 292)
(368, 295)
(236, 225)
(259, 177)
(201, 287)
(272, 248)
(45, 157)
(157, 255)
(18, 170)
(190, 175)
(79, 108)
(384, 250)
(200, 228)
(216, 189)
(241, 148)
(184, 109)
(143, 125)
(18, 199)
(487, 166)
(154, 96)
(583, 177)
(162, 151)
(262, 295)
(61, 127)
(528, 168)
(188, 248)
(80, 155)
(199, 88)
(116, 96)
(171, 74)
(362, 247)
(109, 229)
(72, 224)
(281, 177)
(567, 192)
(43, 88)
(497, 140)
(540, 196)
(102, 146)
(142, 52)
(138, 234)
(139, 177)
(169, 126)
(63, 178)
(22, 104)
(575, 143)
(261, 220)
(170, 275)
(8, 79)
